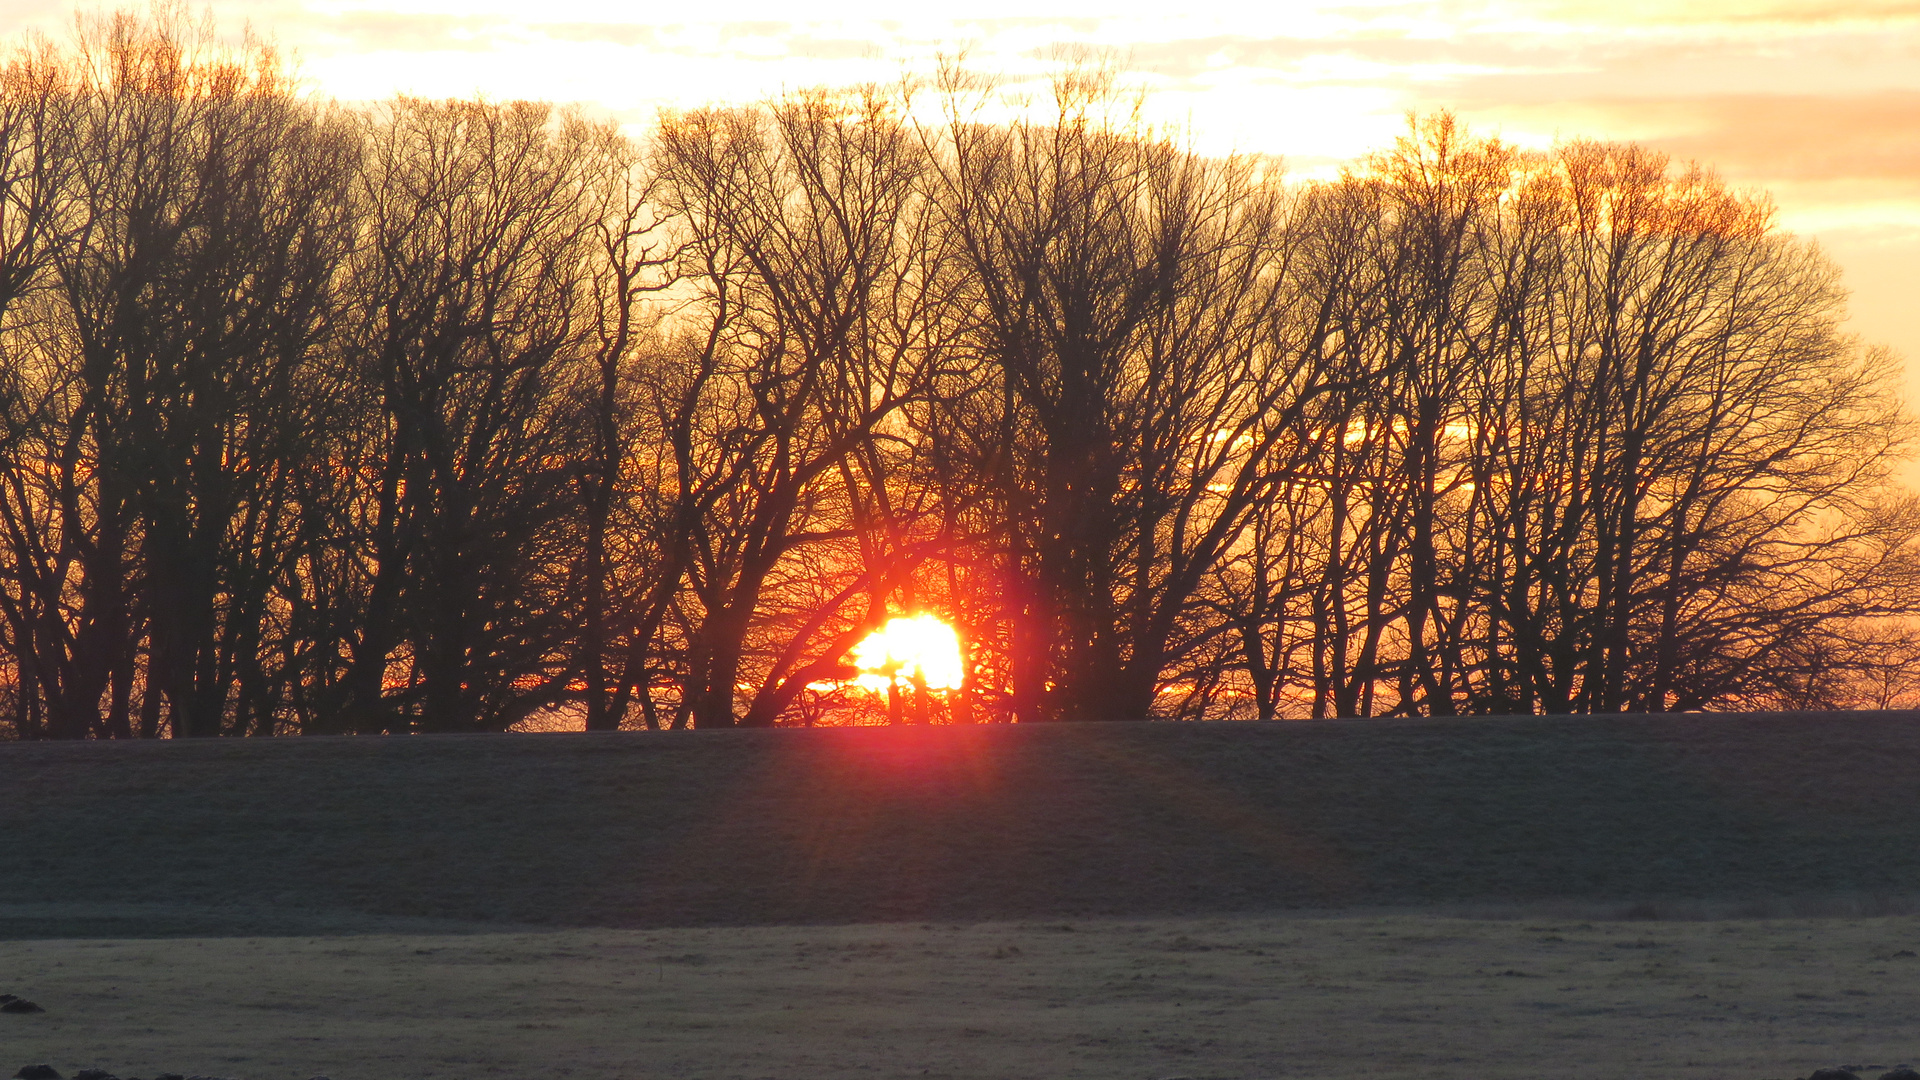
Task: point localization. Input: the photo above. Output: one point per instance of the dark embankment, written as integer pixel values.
(963, 823)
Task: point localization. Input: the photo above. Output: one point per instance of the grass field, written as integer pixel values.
(1620, 897)
(1215, 997)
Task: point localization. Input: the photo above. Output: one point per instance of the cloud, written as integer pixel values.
(1865, 139)
(359, 31)
(1785, 13)
(1186, 57)
(630, 35)
(1872, 137)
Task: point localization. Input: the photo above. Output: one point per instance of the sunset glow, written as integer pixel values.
(1812, 102)
(1295, 363)
(920, 649)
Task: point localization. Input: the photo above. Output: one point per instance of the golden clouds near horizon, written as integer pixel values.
(1815, 101)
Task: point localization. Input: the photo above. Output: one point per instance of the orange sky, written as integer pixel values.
(1817, 101)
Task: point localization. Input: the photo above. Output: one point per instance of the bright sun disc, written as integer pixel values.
(921, 646)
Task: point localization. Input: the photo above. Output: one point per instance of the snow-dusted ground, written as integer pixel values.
(1325, 997)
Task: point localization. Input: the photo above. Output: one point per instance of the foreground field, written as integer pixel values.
(1241, 997)
(960, 824)
(1728, 898)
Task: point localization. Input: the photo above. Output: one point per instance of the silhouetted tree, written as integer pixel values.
(819, 318)
(1147, 374)
(469, 324)
(453, 415)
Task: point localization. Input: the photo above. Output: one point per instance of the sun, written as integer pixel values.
(919, 650)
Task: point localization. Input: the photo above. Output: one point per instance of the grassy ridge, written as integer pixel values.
(745, 827)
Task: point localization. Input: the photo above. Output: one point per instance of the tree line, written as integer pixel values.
(456, 415)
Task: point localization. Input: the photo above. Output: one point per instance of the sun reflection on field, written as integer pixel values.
(921, 650)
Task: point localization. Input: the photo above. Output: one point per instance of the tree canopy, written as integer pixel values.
(455, 415)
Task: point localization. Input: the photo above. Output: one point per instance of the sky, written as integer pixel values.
(1814, 101)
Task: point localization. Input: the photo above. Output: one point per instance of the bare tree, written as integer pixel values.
(1611, 453)
(1147, 376)
(64, 566)
(636, 259)
(200, 219)
(819, 318)
(470, 324)
(438, 415)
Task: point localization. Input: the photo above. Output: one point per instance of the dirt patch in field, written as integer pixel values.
(1243, 996)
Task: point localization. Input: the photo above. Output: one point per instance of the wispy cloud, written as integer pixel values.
(1799, 137)
(1816, 97)
(1817, 101)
